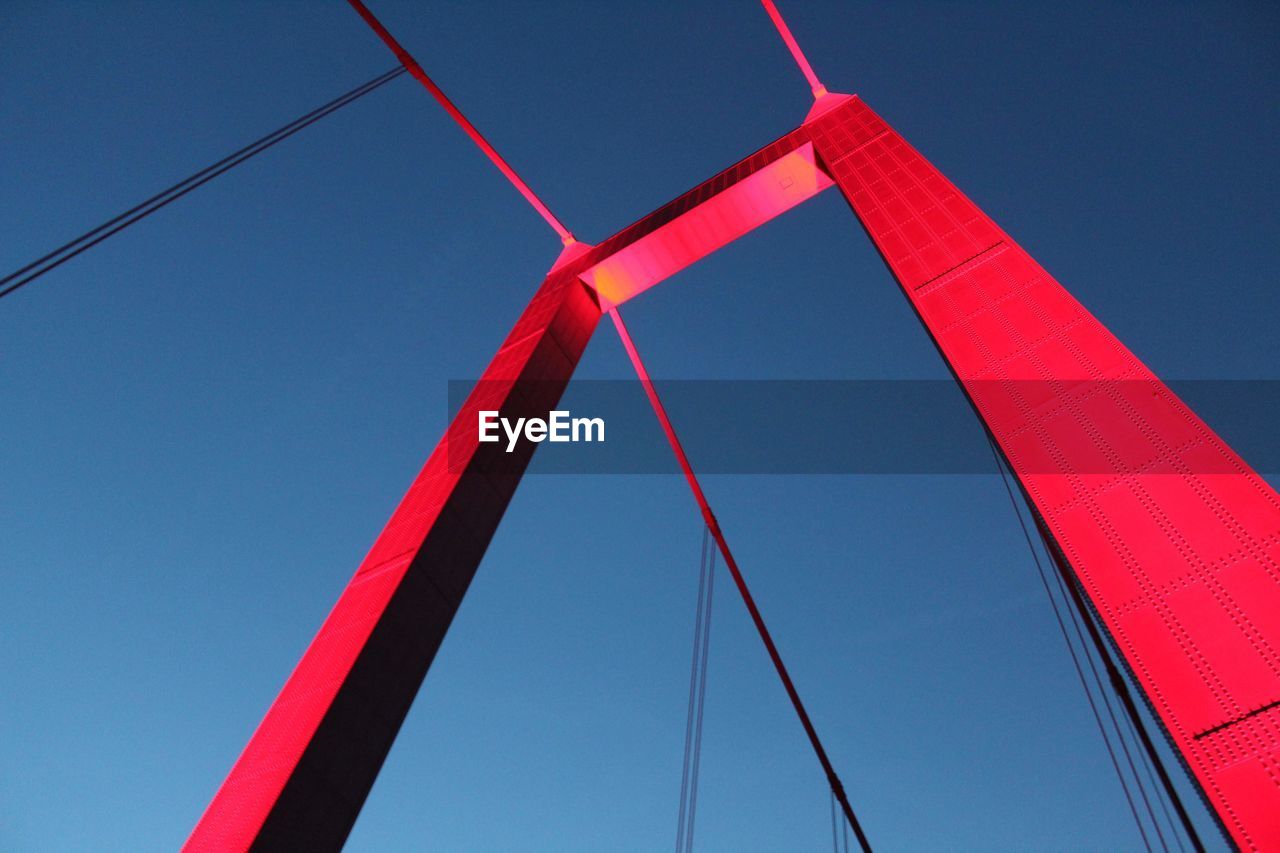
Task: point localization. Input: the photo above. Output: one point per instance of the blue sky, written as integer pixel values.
(208, 418)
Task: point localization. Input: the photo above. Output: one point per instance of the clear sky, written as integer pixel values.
(207, 419)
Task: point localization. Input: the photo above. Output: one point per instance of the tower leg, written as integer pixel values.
(1174, 538)
(305, 774)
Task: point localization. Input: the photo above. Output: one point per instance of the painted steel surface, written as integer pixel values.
(302, 779)
(1175, 539)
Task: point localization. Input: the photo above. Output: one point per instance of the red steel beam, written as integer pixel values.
(302, 779)
(1177, 543)
(1174, 538)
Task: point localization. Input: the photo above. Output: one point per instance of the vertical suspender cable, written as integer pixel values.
(835, 836)
(697, 694)
(1107, 703)
(696, 754)
(1066, 579)
(1069, 587)
(833, 780)
(1145, 760)
(1066, 638)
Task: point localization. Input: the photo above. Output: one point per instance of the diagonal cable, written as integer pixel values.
(1075, 661)
(411, 65)
(59, 256)
(833, 780)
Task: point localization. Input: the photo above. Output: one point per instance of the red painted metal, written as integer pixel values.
(411, 64)
(1178, 547)
(300, 782)
(1174, 537)
(796, 53)
(837, 788)
(721, 219)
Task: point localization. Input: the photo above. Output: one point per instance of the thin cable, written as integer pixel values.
(797, 54)
(1118, 684)
(835, 843)
(1075, 661)
(407, 60)
(693, 693)
(142, 210)
(1145, 761)
(1075, 616)
(375, 81)
(1111, 714)
(702, 701)
(747, 599)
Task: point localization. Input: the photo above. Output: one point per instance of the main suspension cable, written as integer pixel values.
(815, 85)
(59, 256)
(833, 780)
(411, 64)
